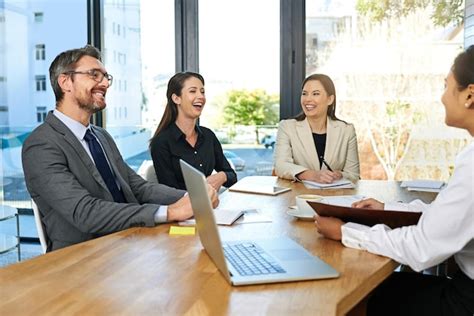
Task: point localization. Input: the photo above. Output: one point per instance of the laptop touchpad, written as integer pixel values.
(291, 254)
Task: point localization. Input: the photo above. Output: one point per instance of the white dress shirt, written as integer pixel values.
(79, 131)
(445, 228)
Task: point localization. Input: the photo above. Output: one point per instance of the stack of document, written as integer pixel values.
(423, 185)
(339, 184)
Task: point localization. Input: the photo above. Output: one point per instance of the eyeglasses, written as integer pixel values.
(94, 74)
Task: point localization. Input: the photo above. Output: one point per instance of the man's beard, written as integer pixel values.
(90, 105)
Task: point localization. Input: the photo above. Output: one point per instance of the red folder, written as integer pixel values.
(366, 216)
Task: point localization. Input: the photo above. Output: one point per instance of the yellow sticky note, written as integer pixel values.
(179, 230)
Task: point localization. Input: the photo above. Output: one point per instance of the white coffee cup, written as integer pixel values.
(303, 207)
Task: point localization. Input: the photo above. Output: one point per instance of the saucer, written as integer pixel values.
(298, 215)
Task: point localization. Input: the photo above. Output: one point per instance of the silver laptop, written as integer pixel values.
(249, 261)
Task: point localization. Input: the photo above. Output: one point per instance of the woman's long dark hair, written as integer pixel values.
(328, 85)
(463, 68)
(175, 86)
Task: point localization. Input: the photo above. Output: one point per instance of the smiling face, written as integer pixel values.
(192, 99)
(315, 100)
(86, 92)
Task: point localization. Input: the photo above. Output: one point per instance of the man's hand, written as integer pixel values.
(329, 227)
(369, 203)
(216, 180)
(182, 209)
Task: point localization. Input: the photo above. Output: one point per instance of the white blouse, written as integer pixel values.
(445, 228)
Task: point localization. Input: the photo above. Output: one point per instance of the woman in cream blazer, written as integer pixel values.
(296, 155)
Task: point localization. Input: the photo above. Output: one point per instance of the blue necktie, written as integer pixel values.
(103, 167)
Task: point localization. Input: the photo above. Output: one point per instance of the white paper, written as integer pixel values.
(222, 216)
(253, 216)
(342, 200)
(339, 184)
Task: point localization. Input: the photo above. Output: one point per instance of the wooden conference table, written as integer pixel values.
(146, 271)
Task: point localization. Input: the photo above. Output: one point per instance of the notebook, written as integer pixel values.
(338, 184)
(222, 216)
(423, 185)
(259, 185)
(265, 261)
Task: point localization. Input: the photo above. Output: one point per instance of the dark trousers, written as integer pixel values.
(417, 294)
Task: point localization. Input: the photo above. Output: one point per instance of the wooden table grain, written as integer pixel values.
(143, 271)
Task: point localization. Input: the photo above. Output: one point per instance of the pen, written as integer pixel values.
(325, 163)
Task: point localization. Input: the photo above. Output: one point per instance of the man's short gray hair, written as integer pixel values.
(66, 61)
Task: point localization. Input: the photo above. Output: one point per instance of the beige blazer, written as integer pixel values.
(295, 151)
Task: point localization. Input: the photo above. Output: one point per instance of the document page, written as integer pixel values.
(342, 200)
(223, 217)
(339, 184)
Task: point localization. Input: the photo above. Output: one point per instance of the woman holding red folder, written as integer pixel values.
(445, 229)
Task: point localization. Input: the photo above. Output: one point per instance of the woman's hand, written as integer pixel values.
(369, 203)
(216, 180)
(321, 176)
(329, 227)
(212, 193)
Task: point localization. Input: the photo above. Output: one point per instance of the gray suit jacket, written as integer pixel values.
(71, 195)
(295, 151)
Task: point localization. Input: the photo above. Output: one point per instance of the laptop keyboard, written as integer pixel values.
(249, 259)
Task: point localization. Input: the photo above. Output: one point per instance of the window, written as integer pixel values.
(147, 29)
(38, 17)
(41, 114)
(247, 71)
(391, 94)
(40, 52)
(40, 83)
(20, 69)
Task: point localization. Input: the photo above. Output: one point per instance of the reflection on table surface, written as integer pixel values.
(145, 270)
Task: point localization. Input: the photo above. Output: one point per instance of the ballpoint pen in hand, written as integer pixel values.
(325, 163)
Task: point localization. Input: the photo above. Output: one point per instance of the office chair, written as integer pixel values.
(147, 171)
(39, 227)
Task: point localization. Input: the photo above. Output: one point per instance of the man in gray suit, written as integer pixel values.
(74, 171)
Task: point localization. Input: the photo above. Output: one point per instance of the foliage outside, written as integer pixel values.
(253, 108)
(390, 133)
(443, 12)
(393, 90)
